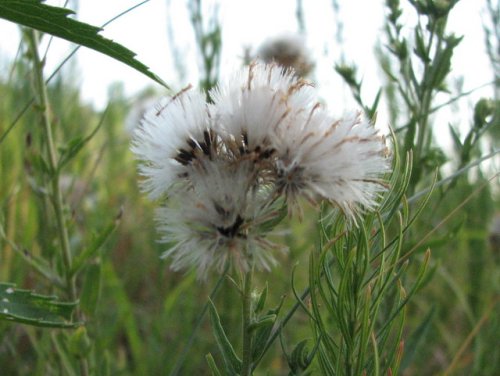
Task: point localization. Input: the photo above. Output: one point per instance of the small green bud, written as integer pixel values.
(482, 111)
(263, 321)
(401, 50)
(299, 358)
(79, 343)
(261, 300)
(348, 73)
(433, 8)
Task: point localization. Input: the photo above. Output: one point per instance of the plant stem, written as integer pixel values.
(57, 201)
(246, 366)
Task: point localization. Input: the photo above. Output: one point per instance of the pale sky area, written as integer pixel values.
(249, 23)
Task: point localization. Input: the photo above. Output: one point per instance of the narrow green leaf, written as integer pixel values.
(262, 300)
(417, 338)
(442, 61)
(96, 244)
(372, 111)
(212, 365)
(299, 359)
(233, 363)
(455, 137)
(263, 334)
(79, 344)
(265, 320)
(261, 338)
(40, 164)
(77, 144)
(38, 263)
(420, 49)
(55, 21)
(125, 319)
(67, 366)
(91, 290)
(176, 293)
(26, 307)
(275, 220)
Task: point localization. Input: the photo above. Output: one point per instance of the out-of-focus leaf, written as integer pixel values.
(91, 289)
(55, 21)
(416, 339)
(79, 343)
(262, 300)
(299, 358)
(26, 307)
(231, 360)
(96, 244)
(263, 332)
(212, 365)
(420, 48)
(74, 146)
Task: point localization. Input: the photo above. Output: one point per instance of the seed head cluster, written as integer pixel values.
(226, 169)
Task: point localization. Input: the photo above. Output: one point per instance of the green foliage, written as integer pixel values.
(416, 70)
(357, 295)
(348, 73)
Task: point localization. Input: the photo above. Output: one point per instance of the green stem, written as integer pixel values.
(246, 366)
(57, 201)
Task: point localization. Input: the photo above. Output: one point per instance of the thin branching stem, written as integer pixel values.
(57, 201)
(56, 195)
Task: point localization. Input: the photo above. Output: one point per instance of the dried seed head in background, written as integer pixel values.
(289, 51)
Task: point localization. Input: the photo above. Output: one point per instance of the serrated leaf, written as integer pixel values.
(55, 21)
(231, 360)
(26, 307)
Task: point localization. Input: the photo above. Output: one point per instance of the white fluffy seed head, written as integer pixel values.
(215, 221)
(340, 160)
(167, 130)
(255, 102)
